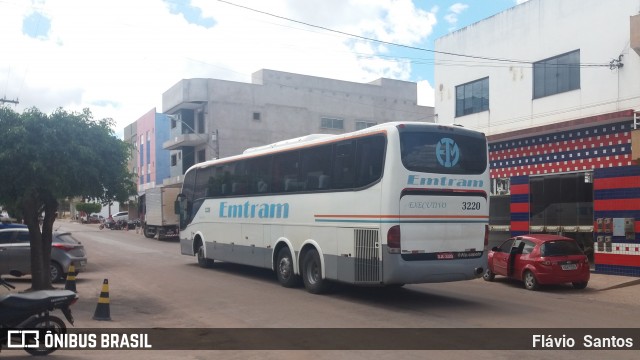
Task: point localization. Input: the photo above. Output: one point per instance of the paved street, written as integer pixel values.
(152, 285)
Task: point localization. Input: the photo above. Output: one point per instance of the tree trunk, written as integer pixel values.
(40, 239)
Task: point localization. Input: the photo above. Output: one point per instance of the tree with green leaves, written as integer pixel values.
(88, 208)
(62, 155)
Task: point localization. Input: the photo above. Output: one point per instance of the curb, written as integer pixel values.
(623, 285)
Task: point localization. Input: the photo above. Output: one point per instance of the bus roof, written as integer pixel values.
(315, 139)
(283, 143)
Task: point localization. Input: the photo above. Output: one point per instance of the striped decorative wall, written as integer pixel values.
(564, 151)
(604, 149)
(519, 205)
(617, 196)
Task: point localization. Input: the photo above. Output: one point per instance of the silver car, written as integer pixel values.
(15, 253)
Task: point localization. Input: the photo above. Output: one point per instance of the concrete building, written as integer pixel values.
(556, 86)
(213, 118)
(150, 162)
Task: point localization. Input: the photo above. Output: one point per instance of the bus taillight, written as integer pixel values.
(393, 240)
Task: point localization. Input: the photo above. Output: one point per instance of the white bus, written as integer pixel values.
(392, 204)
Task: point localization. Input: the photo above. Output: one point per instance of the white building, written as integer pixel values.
(531, 35)
(556, 86)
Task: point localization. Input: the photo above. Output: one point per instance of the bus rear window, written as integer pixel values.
(443, 152)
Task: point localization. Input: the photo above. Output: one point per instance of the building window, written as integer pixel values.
(332, 123)
(201, 155)
(472, 97)
(174, 160)
(201, 122)
(556, 75)
(256, 116)
(364, 124)
(500, 186)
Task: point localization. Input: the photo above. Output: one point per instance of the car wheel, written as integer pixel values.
(284, 269)
(580, 285)
(530, 282)
(202, 260)
(312, 273)
(488, 275)
(55, 272)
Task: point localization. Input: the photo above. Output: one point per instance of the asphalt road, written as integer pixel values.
(151, 285)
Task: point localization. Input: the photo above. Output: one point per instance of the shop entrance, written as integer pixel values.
(563, 204)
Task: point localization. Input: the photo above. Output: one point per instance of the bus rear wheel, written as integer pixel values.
(284, 269)
(312, 273)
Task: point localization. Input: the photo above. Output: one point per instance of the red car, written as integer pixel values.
(539, 259)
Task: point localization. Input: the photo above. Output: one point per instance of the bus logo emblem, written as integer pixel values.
(447, 152)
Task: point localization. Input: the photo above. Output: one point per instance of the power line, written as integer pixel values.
(388, 42)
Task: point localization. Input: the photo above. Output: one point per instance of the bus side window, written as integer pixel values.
(344, 165)
(285, 172)
(259, 174)
(316, 165)
(370, 159)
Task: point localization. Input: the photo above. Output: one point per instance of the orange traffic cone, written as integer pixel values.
(70, 284)
(102, 309)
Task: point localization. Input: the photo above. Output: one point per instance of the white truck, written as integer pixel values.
(157, 213)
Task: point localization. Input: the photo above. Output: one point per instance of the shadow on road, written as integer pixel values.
(390, 297)
(555, 288)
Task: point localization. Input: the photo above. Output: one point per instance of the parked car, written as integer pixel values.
(10, 225)
(538, 259)
(96, 219)
(122, 215)
(15, 253)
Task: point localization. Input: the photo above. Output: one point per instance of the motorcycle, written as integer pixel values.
(108, 223)
(114, 225)
(27, 317)
(120, 225)
(133, 224)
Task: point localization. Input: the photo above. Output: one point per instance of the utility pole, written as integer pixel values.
(5, 100)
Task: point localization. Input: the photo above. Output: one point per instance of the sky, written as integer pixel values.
(117, 57)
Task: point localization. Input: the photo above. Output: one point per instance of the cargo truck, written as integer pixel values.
(157, 212)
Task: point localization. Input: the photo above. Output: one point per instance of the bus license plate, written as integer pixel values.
(569, 267)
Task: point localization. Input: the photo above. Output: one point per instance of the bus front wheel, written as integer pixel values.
(284, 269)
(312, 273)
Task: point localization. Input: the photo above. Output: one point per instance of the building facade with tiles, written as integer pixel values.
(559, 99)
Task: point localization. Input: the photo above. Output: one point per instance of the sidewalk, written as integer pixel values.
(603, 282)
